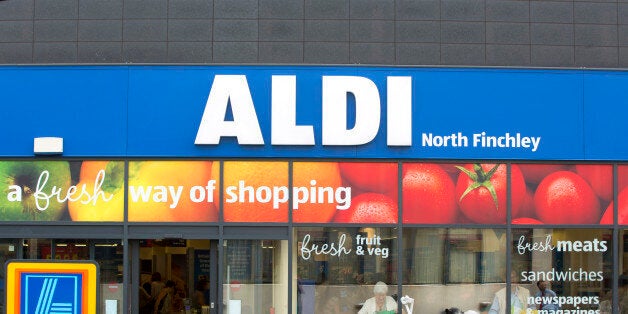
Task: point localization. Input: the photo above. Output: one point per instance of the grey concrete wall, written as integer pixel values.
(535, 33)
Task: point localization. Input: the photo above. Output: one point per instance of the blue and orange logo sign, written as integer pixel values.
(46, 287)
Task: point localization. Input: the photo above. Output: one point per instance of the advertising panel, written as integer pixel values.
(345, 192)
(622, 199)
(173, 191)
(255, 191)
(564, 194)
(62, 190)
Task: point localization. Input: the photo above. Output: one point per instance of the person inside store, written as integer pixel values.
(546, 295)
(198, 300)
(146, 302)
(155, 285)
(380, 302)
(518, 297)
(164, 301)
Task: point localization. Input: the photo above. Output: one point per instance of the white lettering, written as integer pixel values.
(367, 110)
(399, 111)
(227, 89)
(284, 128)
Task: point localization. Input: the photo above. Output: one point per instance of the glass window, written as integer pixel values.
(8, 251)
(255, 276)
(108, 254)
(446, 268)
(340, 269)
(564, 269)
(37, 249)
(564, 194)
(623, 276)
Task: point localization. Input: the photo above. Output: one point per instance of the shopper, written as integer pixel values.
(163, 303)
(518, 298)
(155, 284)
(380, 302)
(199, 293)
(547, 297)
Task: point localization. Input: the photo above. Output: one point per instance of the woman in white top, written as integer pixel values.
(380, 301)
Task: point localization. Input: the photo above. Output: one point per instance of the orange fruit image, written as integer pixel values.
(317, 176)
(103, 199)
(254, 191)
(175, 191)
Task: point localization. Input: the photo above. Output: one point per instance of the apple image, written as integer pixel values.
(171, 191)
(29, 190)
(100, 192)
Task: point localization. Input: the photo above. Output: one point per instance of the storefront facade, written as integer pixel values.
(296, 189)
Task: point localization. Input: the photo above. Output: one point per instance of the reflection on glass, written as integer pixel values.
(338, 268)
(461, 268)
(255, 276)
(573, 264)
(37, 249)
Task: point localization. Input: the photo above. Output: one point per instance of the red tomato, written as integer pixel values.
(622, 177)
(451, 170)
(481, 192)
(534, 173)
(526, 221)
(378, 177)
(622, 210)
(428, 194)
(369, 208)
(565, 197)
(527, 206)
(600, 177)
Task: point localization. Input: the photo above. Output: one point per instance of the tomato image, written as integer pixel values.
(600, 177)
(527, 206)
(378, 177)
(565, 197)
(622, 210)
(369, 208)
(534, 173)
(428, 194)
(526, 221)
(481, 192)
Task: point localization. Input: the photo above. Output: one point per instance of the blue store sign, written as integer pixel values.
(321, 112)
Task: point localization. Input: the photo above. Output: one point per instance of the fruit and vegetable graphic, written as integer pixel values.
(171, 191)
(34, 190)
(566, 194)
(104, 182)
(481, 191)
(253, 191)
(428, 194)
(317, 192)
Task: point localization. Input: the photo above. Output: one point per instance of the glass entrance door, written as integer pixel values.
(176, 276)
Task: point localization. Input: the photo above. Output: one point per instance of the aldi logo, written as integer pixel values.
(51, 293)
(47, 287)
